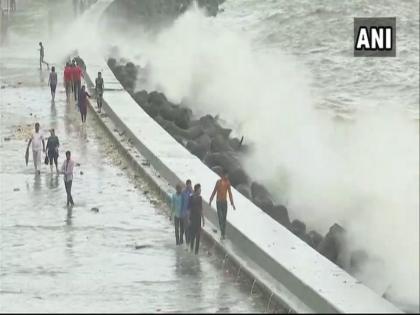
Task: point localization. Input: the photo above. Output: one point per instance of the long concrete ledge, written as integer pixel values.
(298, 276)
(304, 280)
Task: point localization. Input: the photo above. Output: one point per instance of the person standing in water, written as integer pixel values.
(52, 150)
(77, 75)
(83, 95)
(52, 82)
(67, 170)
(186, 194)
(38, 144)
(41, 56)
(99, 89)
(176, 207)
(222, 188)
(196, 216)
(68, 81)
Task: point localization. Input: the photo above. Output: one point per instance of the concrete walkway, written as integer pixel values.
(54, 259)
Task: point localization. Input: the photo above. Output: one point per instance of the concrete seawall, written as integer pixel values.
(291, 271)
(296, 275)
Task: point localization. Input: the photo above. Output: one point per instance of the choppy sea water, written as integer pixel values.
(320, 33)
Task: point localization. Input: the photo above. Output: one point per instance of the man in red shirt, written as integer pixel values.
(77, 79)
(68, 80)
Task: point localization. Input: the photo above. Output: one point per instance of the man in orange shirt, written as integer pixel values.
(222, 188)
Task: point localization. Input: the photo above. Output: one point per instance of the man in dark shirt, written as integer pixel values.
(195, 207)
(41, 56)
(52, 150)
(99, 89)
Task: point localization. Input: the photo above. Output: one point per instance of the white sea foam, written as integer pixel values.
(362, 173)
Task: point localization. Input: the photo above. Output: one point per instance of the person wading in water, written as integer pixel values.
(176, 206)
(83, 95)
(99, 89)
(186, 194)
(67, 170)
(52, 150)
(41, 57)
(68, 80)
(77, 75)
(196, 216)
(38, 144)
(52, 82)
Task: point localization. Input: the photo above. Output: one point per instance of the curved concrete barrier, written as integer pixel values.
(298, 276)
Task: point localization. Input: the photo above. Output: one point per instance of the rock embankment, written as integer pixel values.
(213, 144)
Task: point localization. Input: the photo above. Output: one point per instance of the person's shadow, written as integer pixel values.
(53, 182)
(68, 117)
(187, 263)
(83, 132)
(69, 215)
(37, 183)
(53, 109)
(69, 243)
(188, 266)
(41, 76)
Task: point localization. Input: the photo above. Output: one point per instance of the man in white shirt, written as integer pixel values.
(38, 144)
(67, 170)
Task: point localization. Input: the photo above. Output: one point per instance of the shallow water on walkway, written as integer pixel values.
(54, 259)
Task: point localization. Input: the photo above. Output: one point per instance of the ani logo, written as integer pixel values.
(375, 37)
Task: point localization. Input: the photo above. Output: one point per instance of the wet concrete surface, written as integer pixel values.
(55, 259)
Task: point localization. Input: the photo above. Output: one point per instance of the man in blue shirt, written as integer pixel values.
(176, 207)
(186, 194)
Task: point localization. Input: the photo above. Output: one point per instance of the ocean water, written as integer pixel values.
(320, 33)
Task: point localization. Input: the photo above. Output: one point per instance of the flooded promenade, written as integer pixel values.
(115, 250)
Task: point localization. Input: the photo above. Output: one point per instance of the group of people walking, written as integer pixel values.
(38, 146)
(73, 75)
(187, 210)
(51, 150)
(186, 204)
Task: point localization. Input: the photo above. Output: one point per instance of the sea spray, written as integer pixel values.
(362, 173)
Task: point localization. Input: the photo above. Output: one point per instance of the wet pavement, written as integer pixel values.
(54, 259)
